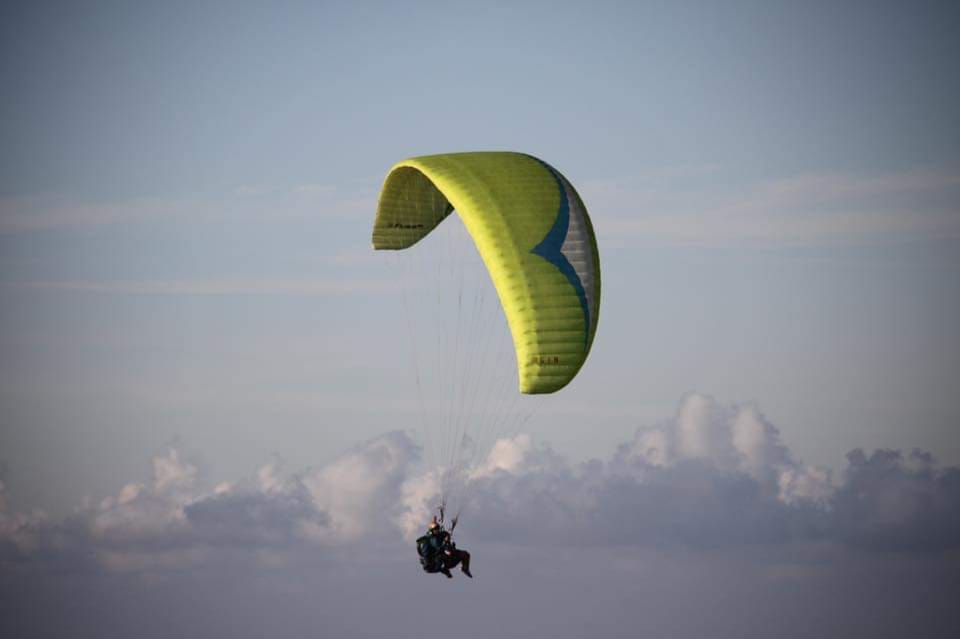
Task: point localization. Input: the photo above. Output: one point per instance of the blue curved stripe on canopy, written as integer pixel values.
(550, 248)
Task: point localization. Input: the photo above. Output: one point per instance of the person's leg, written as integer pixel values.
(464, 557)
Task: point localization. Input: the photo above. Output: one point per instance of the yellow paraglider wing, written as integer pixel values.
(534, 236)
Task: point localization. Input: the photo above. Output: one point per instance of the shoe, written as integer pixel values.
(466, 572)
(447, 573)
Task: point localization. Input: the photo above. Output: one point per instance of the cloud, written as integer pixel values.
(18, 531)
(733, 439)
(690, 207)
(212, 287)
(174, 518)
(711, 476)
(46, 212)
(892, 501)
(361, 490)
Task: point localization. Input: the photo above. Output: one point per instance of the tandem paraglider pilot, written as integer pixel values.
(438, 553)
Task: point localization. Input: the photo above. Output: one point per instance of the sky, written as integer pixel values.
(206, 424)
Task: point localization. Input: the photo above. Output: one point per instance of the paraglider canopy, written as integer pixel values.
(534, 236)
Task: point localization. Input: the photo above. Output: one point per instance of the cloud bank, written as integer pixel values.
(711, 476)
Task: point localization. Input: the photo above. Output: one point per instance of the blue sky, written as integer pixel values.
(186, 194)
